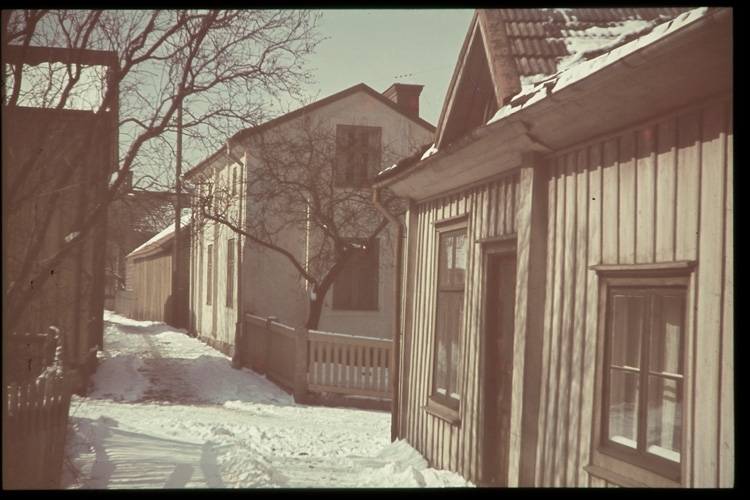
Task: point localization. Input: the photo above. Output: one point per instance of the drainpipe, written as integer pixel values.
(237, 359)
(396, 348)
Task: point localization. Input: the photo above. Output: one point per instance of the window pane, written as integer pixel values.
(623, 408)
(460, 261)
(664, 418)
(666, 334)
(452, 258)
(447, 337)
(627, 329)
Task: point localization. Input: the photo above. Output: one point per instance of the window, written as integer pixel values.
(356, 286)
(639, 434)
(209, 273)
(450, 305)
(230, 272)
(357, 155)
(234, 181)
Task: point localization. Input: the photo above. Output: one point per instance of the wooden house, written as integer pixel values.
(56, 168)
(231, 277)
(154, 292)
(568, 311)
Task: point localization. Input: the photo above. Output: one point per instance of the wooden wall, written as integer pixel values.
(659, 193)
(492, 208)
(152, 285)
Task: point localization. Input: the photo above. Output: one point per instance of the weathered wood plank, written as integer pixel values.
(551, 452)
(545, 393)
(627, 197)
(709, 317)
(688, 186)
(579, 303)
(593, 249)
(727, 433)
(645, 195)
(566, 325)
(473, 433)
(510, 205)
(610, 204)
(494, 194)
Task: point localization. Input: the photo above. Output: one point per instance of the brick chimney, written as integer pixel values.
(406, 97)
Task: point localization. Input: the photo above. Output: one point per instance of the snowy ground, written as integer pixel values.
(167, 411)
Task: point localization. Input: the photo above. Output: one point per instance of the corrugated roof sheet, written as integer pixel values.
(543, 40)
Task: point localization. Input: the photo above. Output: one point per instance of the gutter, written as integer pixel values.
(396, 333)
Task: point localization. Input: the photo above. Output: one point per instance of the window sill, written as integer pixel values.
(442, 412)
(627, 475)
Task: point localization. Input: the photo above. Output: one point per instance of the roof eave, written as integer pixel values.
(496, 147)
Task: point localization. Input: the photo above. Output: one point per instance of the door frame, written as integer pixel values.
(490, 249)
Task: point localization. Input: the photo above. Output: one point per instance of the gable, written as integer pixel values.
(507, 50)
(484, 77)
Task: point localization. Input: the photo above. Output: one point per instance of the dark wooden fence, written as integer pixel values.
(306, 362)
(35, 411)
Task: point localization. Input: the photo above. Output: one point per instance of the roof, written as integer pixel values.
(248, 132)
(161, 239)
(507, 49)
(544, 41)
(676, 64)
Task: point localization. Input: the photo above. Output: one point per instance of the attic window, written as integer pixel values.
(357, 155)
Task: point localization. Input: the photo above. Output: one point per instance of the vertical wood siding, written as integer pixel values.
(492, 212)
(661, 193)
(152, 284)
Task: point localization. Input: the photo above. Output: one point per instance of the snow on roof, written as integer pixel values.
(545, 41)
(578, 68)
(158, 239)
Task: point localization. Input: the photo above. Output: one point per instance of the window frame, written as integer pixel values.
(372, 259)
(344, 152)
(440, 405)
(617, 463)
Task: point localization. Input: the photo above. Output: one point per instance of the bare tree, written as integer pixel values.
(226, 69)
(297, 186)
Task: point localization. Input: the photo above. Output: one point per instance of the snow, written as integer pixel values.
(184, 221)
(575, 68)
(431, 151)
(72, 236)
(165, 410)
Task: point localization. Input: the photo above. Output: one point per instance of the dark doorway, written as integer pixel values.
(500, 303)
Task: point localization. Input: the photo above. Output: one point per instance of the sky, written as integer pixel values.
(167, 411)
(382, 47)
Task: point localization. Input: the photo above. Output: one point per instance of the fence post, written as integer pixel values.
(300, 366)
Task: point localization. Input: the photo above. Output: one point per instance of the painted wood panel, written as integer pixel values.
(709, 300)
(644, 192)
(658, 193)
(491, 210)
(666, 159)
(627, 195)
(727, 440)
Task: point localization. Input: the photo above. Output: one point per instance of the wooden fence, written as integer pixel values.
(35, 416)
(310, 361)
(346, 364)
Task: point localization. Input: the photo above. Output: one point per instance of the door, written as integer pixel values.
(500, 302)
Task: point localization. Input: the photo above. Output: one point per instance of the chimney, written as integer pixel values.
(406, 97)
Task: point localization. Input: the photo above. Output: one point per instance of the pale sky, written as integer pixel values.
(382, 47)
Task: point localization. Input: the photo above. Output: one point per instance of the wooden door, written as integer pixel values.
(498, 367)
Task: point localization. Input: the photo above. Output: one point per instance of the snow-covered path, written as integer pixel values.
(167, 411)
